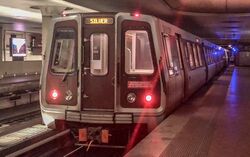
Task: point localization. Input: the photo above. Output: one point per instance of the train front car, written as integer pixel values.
(101, 77)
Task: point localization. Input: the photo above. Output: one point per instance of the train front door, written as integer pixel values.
(98, 63)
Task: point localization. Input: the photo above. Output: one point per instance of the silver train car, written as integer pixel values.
(105, 73)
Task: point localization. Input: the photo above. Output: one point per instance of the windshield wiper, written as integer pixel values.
(65, 75)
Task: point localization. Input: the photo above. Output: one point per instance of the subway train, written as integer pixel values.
(108, 76)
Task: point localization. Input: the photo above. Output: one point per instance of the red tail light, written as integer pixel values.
(148, 98)
(136, 14)
(54, 94)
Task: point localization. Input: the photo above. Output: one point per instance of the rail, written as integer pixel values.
(28, 140)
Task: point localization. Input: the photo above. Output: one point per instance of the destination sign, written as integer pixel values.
(99, 21)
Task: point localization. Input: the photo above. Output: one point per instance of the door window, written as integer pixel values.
(99, 54)
(178, 50)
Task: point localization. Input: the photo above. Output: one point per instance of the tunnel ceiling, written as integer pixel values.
(210, 6)
(221, 21)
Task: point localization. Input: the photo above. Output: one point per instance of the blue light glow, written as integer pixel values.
(234, 49)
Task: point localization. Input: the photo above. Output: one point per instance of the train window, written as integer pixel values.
(212, 56)
(196, 59)
(199, 55)
(179, 53)
(186, 51)
(190, 56)
(64, 50)
(209, 56)
(138, 58)
(205, 53)
(168, 53)
(99, 54)
(174, 53)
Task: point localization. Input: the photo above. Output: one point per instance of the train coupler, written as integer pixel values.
(95, 134)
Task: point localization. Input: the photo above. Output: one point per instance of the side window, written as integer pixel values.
(212, 56)
(186, 51)
(63, 49)
(179, 53)
(196, 56)
(209, 56)
(171, 51)
(190, 56)
(205, 53)
(200, 55)
(99, 54)
(138, 55)
(167, 50)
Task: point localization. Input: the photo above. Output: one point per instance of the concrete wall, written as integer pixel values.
(18, 67)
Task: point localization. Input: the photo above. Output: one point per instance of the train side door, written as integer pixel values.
(175, 70)
(179, 70)
(171, 90)
(98, 63)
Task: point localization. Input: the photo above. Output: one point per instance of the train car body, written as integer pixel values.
(120, 69)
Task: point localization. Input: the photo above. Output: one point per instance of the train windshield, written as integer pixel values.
(138, 58)
(63, 50)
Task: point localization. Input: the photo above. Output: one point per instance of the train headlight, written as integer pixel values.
(131, 97)
(69, 95)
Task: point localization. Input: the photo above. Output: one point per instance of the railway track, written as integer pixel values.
(20, 118)
(17, 118)
(37, 140)
(19, 113)
(41, 141)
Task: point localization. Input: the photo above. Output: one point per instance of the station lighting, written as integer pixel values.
(235, 49)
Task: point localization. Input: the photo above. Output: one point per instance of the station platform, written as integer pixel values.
(214, 123)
